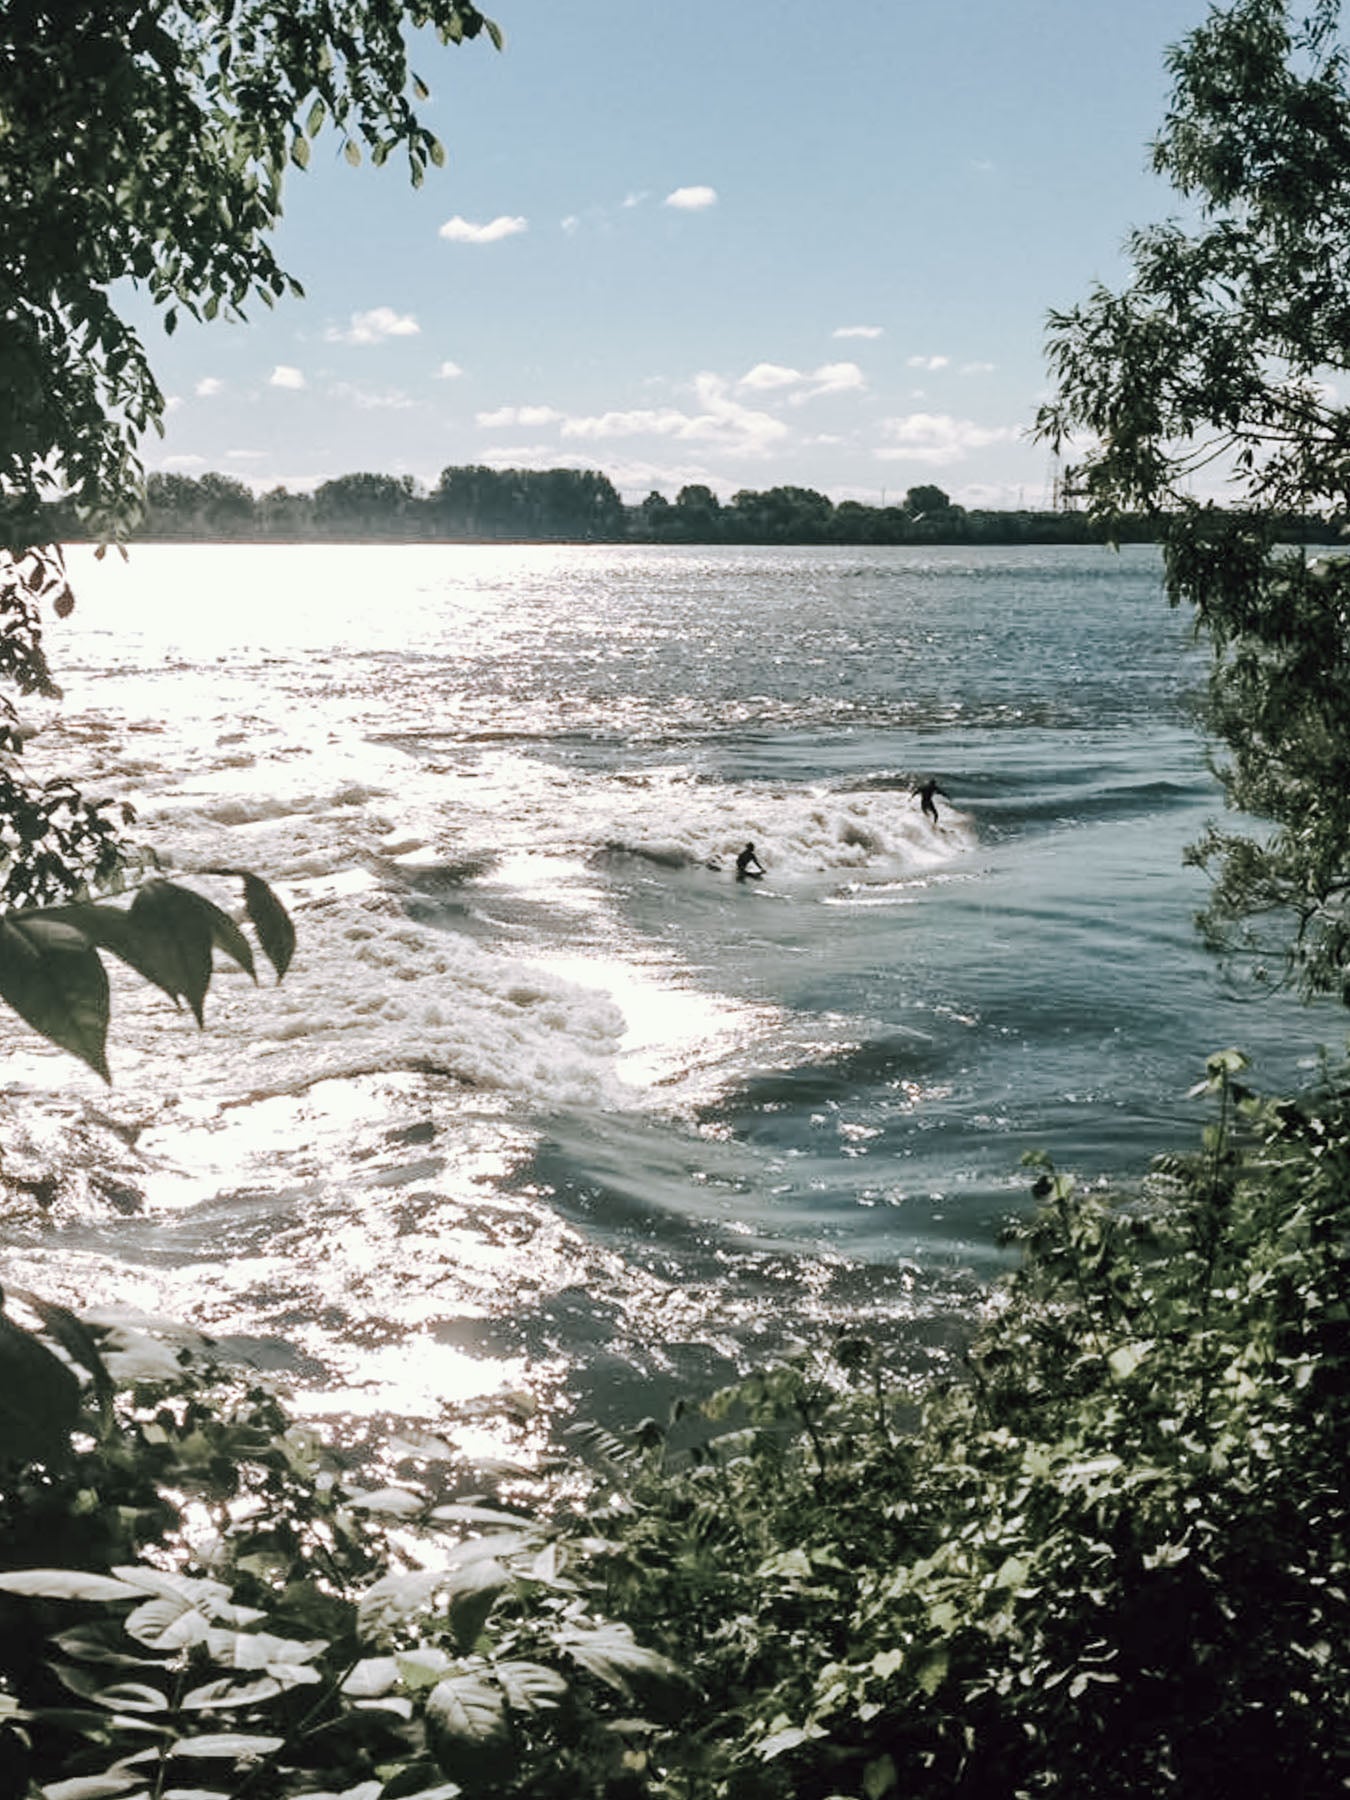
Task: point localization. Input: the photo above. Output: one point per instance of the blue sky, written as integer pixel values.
(735, 243)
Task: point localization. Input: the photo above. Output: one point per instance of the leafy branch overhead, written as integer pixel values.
(1207, 393)
(52, 973)
(144, 149)
(149, 144)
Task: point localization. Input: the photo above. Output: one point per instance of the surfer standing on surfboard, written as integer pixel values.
(926, 801)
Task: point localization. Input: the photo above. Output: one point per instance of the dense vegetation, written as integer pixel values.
(1110, 1557)
(142, 145)
(1224, 361)
(576, 505)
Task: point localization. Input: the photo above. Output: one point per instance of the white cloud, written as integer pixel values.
(834, 378)
(571, 224)
(858, 331)
(374, 326)
(632, 200)
(977, 368)
(929, 362)
(464, 231)
(691, 199)
(938, 439)
(725, 422)
(829, 378)
(182, 462)
(766, 376)
(519, 415)
(208, 387)
(372, 399)
(720, 420)
(448, 371)
(667, 422)
(284, 376)
(247, 455)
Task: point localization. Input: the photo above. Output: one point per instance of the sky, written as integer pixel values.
(735, 243)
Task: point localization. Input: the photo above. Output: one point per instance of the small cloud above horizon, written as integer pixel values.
(928, 362)
(978, 368)
(691, 199)
(372, 399)
(767, 376)
(448, 371)
(208, 387)
(858, 331)
(465, 231)
(938, 439)
(518, 415)
(374, 327)
(829, 378)
(284, 376)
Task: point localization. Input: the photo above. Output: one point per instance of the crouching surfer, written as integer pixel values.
(748, 865)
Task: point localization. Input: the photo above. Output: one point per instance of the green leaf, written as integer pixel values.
(473, 1588)
(78, 1342)
(611, 1653)
(132, 1697)
(89, 1787)
(39, 1398)
(54, 980)
(372, 1678)
(398, 1502)
(395, 1598)
(529, 1686)
(468, 1707)
(231, 1693)
(65, 1584)
(174, 941)
(225, 1744)
(269, 918)
(352, 151)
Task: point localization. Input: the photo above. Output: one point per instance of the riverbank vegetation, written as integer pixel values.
(484, 505)
(1110, 1556)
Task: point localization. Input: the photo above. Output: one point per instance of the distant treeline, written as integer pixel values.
(580, 505)
(569, 505)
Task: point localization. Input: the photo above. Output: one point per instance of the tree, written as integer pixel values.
(362, 503)
(921, 501)
(148, 144)
(1202, 394)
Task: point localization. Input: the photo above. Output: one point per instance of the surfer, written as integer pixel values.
(744, 872)
(926, 800)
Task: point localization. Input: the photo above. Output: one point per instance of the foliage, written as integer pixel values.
(148, 145)
(1110, 1559)
(53, 976)
(579, 505)
(195, 1596)
(1219, 362)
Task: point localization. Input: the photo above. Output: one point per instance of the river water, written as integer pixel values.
(550, 1105)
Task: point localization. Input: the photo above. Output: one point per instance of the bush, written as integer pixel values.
(1109, 1560)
